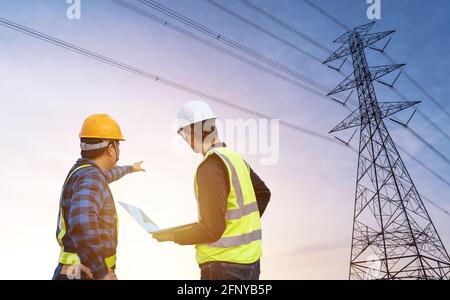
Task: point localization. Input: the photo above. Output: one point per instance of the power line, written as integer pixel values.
(435, 204)
(271, 34)
(425, 142)
(423, 165)
(202, 28)
(304, 36)
(323, 12)
(425, 117)
(188, 21)
(115, 63)
(434, 125)
(334, 19)
(260, 28)
(285, 25)
(440, 154)
(419, 137)
(210, 44)
(191, 23)
(318, 44)
(414, 82)
(216, 35)
(208, 31)
(109, 61)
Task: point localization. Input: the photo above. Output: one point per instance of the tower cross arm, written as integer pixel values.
(361, 116)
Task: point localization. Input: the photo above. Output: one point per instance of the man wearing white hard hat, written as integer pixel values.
(231, 200)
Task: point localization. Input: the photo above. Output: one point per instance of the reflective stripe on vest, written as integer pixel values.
(240, 212)
(68, 258)
(243, 210)
(233, 241)
(241, 241)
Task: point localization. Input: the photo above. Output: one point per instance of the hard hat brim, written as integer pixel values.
(189, 123)
(101, 138)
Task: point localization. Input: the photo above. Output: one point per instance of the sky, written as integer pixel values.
(46, 92)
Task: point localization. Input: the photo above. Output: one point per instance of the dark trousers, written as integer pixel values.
(229, 271)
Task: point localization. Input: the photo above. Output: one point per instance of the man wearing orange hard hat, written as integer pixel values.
(87, 221)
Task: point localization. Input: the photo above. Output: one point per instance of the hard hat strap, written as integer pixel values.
(116, 148)
(89, 147)
(182, 132)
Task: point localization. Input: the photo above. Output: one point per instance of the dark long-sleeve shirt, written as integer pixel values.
(213, 190)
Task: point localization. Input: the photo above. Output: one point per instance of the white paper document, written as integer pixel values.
(145, 221)
(140, 217)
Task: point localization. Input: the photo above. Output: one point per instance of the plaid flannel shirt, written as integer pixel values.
(90, 215)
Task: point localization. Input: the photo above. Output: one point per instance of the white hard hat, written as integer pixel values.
(193, 112)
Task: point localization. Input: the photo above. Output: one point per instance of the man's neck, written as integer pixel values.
(101, 164)
(211, 145)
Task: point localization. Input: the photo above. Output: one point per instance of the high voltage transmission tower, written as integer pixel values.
(393, 235)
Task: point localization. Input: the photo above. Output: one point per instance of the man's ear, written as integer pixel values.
(111, 149)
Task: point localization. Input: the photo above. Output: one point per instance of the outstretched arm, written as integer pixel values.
(118, 172)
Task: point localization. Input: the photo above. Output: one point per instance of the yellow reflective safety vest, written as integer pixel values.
(68, 258)
(241, 240)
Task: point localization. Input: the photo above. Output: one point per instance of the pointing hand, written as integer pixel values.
(137, 167)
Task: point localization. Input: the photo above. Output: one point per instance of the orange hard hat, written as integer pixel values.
(101, 126)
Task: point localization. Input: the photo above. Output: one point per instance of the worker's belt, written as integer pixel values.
(67, 258)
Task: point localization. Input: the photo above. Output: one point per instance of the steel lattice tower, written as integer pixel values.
(393, 235)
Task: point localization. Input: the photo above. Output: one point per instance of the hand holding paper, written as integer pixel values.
(164, 236)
